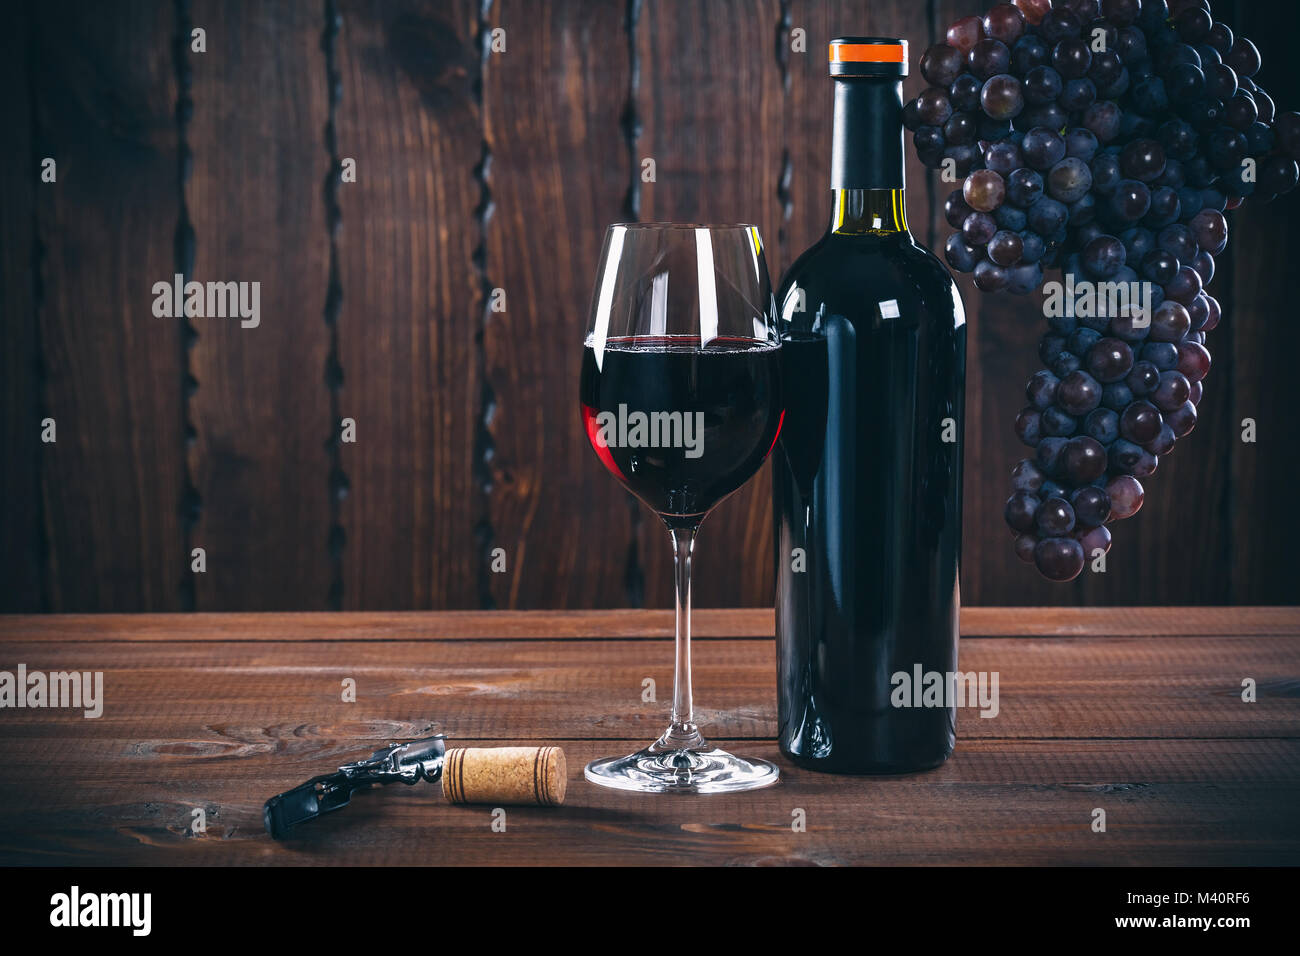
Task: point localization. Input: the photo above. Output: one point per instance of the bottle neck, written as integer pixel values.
(867, 178)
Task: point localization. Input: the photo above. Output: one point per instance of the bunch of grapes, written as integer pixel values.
(1104, 138)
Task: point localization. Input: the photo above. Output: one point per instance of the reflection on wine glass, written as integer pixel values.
(681, 399)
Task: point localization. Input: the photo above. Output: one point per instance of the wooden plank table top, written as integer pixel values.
(1136, 711)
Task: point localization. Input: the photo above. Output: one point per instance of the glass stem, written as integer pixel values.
(683, 733)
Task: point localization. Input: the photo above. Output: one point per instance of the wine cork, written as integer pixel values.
(501, 775)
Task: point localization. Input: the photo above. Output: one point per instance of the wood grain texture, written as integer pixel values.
(1264, 250)
(409, 326)
(559, 170)
(623, 624)
(468, 437)
(105, 96)
(711, 102)
(261, 408)
(21, 393)
(1149, 729)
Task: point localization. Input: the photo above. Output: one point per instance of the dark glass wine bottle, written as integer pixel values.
(868, 469)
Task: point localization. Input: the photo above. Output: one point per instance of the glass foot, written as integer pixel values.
(667, 768)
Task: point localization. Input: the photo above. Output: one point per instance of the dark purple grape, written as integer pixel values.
(1130, 459)
(1094, 540)
(1047, 217)
(1050, 346)
(1105, 174)
(1081, 340)
(1172, 392)
(1020, 512)
(1179, 241)
(1131, 45)
(955, 209)
(1153, 18)
(1241, 113)
(988, 58)
(1078, 394)
(990, 277)
(964, 94)
(1057, 423)
(1220, 37)
(1169, 323)
(1033, 247)
(929, 140)
(1003, 158)
(1184, 287)
(1163, 443)
(1278, 175)
(1005, 248)
(1069, 180)
(1110, 360)
(1199, 312)
(1051, 116)
(1130, 201)
(1126, 495)
(1043, 148)
(961, 255)
(1072, 58)
(1042, 85)
(1159, 266)
(965, 33)
(1107, 67)
(1103, 257)
(1221, 82)
(1029, 426)
(1203, 263)
(1121, 12)
(1243, 57)
(1084, 460)
(1193, 24)
(1103, 119)
(1049, 456)
(1012, 218)
(1163, 355)
(1103, 425)
(1027, 476)
(1142, 379)
(1024, 278)
(942, 64)
(1078, 94)
(1024, 187)
(1116, 396)
(1059, 559)
(984, 190)
(1215, 314)
(1025, 545)
(1267, 112)
(1184, 83)
(1054, 517)
(1182, 420)
(963, 157)
(1091, 505)
(1059, 24)
(979, 228)
(934, 107)
(1002, 98)
(1081, 143)
(1178, 138)
(1028, 52)
(1143, 160)
(1140, 422)
(960, 130)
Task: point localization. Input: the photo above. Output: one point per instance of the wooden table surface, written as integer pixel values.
(1136, 711)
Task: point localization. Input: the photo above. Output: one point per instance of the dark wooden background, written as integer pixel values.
(479, 171)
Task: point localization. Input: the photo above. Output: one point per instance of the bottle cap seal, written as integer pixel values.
(868, 56)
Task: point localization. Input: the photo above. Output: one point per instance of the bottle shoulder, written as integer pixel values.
(840, 273)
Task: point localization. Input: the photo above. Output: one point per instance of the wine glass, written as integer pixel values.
(681, 399)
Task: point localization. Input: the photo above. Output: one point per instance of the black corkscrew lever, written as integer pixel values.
(407, 763)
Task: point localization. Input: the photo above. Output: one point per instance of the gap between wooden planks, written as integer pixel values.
(707, 623)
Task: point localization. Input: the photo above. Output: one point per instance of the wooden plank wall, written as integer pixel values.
(480, 170)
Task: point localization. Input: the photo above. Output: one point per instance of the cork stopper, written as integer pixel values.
(501, 775)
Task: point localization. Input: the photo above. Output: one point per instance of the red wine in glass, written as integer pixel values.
(681, 400)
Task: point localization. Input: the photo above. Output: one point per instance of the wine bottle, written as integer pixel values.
(868, 468)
